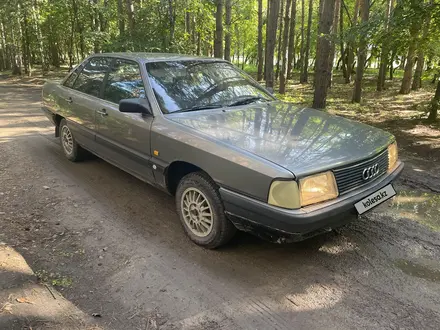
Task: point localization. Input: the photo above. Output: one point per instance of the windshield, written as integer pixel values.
(197, 85)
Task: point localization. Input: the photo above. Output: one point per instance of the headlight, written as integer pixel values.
(393, 155)
(284, 194)
(318, 188)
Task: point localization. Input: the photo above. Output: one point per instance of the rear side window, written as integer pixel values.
(124, 82)
(92, 76)
(71, 79)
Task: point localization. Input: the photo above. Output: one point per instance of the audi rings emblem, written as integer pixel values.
(370, 172)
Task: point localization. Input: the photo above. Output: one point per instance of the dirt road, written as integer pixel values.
(113, 245)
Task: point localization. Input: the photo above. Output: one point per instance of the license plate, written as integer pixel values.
(375, 199)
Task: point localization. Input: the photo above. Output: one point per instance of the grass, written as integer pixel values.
(54, 279)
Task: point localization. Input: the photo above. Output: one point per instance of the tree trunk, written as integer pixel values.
(351, 46)
(237, 43)
(37, 29)
(341, 37)
(228, 7)
(302, 47)
(385, 51)
(6, 62)
(402, 63)
(407, 75)
(291, 50)
(334, 33)
(187, 22)
(25, 38)
(417, 82)
(199, 44)
(172, 24)
(218, 38)
(305, 68)
(103, 24)
(260, 41)
(17, 51)
(193, 31)
(130, 16)
(433, 112)
(362, 52)
(79, 27)
(269, 3)
(272, 23)
(121, 20)
(391, 66)
(322, 74)
(244, 55)
(95, 26)
(73, 20)
(277, 73)
(82, 44)
(283, 77)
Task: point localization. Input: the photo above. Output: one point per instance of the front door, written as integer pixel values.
(124, 138)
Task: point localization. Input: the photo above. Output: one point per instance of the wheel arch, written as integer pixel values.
(177, 170)
(57, 120)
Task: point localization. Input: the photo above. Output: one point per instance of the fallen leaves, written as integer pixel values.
(6, 308)
(24, 300)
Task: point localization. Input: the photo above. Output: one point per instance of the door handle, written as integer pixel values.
(102, 112)
(69, 100)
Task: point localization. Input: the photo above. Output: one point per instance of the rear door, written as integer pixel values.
(59, 99)
(84, 100)
(124, 138)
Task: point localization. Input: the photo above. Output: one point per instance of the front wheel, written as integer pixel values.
(201, 211)
(72, 150)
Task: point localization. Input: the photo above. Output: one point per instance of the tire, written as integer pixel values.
(196, 197)
(72, 150)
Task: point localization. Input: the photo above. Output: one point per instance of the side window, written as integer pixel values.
(92, 76)
(71, 79)
(124, 82)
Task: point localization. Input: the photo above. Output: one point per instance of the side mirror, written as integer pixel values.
(135, 106)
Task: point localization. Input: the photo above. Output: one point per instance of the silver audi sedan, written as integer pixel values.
(233, 155)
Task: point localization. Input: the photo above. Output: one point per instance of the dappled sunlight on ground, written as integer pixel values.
(340, 248)
(15, 124)
(385, 105)
(11, 261)
(7, 134)
(421, 207)
(37, 78)
(316, 296)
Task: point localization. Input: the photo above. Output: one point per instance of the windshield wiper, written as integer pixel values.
(199, 107)
(248, 101)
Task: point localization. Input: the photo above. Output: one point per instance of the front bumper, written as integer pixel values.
(255, 216)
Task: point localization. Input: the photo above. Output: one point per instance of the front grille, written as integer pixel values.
(350, 177)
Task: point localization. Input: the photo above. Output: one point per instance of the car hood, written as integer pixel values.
(302, 140)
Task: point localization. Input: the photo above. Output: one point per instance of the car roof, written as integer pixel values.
(156, 57)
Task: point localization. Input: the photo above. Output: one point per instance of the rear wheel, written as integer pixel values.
(72, 150)
(201, 211)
